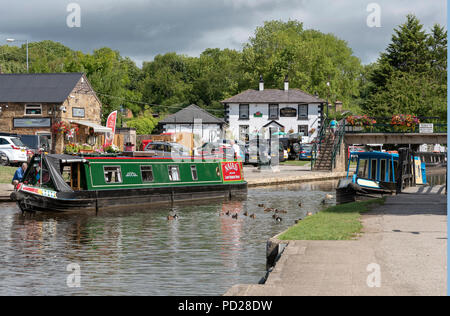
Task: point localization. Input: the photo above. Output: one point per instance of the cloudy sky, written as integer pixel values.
(141, 29)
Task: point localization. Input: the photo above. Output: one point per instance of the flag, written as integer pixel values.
(111, 123)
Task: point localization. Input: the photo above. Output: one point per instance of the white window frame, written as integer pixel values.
(119, 169)
(33, 106)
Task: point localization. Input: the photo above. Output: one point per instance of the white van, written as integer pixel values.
(14, 151)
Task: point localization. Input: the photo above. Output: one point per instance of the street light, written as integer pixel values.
(12, 40)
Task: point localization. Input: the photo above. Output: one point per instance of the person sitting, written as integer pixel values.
(18, 176)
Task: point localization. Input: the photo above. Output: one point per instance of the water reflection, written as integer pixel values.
(140, 252)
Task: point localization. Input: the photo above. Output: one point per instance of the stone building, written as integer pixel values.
(35, 104)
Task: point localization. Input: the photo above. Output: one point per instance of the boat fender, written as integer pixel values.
(13, 197)
(344, 183)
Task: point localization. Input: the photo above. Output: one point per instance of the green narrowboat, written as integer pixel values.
(66, 183)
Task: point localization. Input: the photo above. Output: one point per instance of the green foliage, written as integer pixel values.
(145, 123)
(411, 76)
(341, 222)
(310, 59)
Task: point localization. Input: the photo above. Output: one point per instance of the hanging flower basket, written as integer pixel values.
(361, 121)
(60, 128)
(405, 123)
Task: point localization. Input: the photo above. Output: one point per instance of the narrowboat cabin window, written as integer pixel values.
(147, 174)
(363, 169)
(383, 170)
(194, 173)
(373, 170)
(113, 175)
(174, 173)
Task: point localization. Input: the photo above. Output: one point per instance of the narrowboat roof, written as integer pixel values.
(374, 154)
(67, 158)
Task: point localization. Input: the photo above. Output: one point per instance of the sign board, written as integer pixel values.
(32, 122)
(288, 112)
(426, 128)
(231, 171)
(78, 112)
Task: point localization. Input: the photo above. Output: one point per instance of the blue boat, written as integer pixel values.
(376, 175)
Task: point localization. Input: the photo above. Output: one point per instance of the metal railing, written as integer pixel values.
(384, 125)
(318, 143)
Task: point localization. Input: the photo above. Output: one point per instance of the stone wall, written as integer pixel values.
(81, 97)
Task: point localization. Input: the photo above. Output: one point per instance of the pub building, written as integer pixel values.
(267, 110)
(61, 107)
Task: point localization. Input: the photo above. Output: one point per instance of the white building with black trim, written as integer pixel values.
(288, 110)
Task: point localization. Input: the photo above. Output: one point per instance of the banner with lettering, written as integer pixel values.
(231, 171)
(111, 123)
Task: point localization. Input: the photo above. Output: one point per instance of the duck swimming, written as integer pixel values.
(172, 218)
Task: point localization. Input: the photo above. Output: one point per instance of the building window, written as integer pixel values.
(112, 175)
(244, 112)
(147, 174)
(274, 111)
(303, 112)
(33, 109)
(194, 173)
(244, 133)
(303, 129)
(174, 173)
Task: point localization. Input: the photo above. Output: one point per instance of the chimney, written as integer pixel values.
(261, 83)
(286, 83)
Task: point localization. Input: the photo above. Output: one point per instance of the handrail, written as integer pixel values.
(316, 148)
(391, 129)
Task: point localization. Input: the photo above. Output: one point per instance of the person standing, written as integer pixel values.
(237, 150)
(333, 127)
(18, 175)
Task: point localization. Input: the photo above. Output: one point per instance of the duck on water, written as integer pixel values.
(69, 183)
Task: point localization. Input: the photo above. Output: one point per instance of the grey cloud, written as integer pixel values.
(142, 29)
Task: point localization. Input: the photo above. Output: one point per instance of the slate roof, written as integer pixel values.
(189, 114)
(274, 96)
(42, 88)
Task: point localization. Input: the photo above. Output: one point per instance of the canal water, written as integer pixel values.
(204, 252)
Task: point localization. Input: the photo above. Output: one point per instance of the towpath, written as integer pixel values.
(403, 251)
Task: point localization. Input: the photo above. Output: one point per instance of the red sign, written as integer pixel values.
(111, 123)
(231, 171)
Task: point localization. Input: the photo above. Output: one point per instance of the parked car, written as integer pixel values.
(167, 150)
(305, 152)
(36, 142)
(251, 152)
(216, 150)
(14, 151)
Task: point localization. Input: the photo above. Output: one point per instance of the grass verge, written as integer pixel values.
(341, 222)
(6, 174)
(300, 163)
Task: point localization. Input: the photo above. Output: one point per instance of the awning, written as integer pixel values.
(97, 128)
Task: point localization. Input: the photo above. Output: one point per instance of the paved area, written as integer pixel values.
(286, 175)
(5, 191)
(404, 247)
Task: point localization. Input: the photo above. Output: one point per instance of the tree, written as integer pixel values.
(310, 59)
(410, 77)
(145, 123)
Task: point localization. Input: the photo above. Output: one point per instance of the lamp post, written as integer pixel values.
(12, 40)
